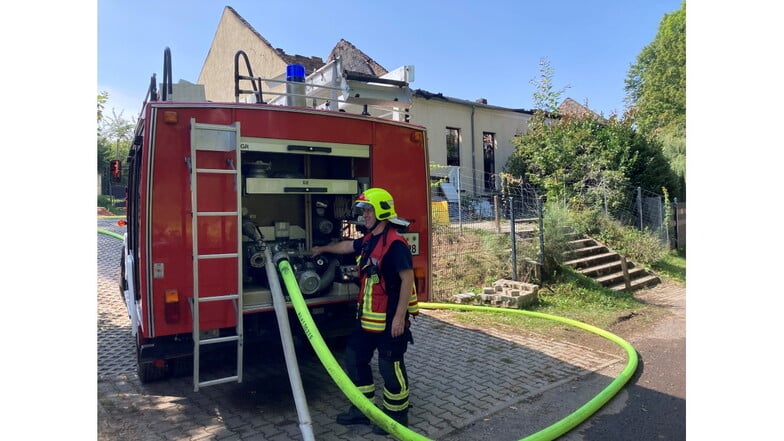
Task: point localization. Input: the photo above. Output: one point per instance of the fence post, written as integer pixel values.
(497, 218)
(639, 205)
(665, 223)
(514, 238)
(459, 203)
(539, 213)
(625, 270)
(675, 215)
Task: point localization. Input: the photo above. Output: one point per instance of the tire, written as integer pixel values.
(123, 283)
(148, 373)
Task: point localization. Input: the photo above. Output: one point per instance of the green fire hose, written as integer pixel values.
(403, 433)
(400, 432)
(333, 368)
(575, 418)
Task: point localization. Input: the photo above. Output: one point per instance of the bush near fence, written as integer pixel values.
(472, 251)
(472, 245)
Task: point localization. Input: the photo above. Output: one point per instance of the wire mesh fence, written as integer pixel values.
(473, 229)
(642, 210)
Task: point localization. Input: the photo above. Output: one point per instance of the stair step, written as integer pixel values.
(632, 272)
(598, 268)
(583, 250)
(637, 283)
(579, 242)
(596, 259)
(581, 260)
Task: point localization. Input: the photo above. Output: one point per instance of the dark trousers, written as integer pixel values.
(359, 352)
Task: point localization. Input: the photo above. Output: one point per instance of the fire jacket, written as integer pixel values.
(373, 305)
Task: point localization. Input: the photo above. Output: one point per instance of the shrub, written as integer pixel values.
(557, 226)
(105, 201)
(643, 247)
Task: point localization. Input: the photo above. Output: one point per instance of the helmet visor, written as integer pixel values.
(359, 208)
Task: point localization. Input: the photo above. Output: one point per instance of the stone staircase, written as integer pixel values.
(595, 260)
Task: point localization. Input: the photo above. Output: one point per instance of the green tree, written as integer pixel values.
(656, 92)
(103, 97)
(585, 161)
(546, 99)
(114, 134)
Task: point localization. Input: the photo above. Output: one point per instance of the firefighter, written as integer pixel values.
(387, 298)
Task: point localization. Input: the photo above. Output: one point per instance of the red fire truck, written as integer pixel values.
(211, 184)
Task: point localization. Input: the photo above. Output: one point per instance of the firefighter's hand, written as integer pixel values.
(398, 325)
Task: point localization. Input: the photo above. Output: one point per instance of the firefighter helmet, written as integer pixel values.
(382, 204)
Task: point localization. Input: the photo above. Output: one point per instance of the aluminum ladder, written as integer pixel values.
(215, 138)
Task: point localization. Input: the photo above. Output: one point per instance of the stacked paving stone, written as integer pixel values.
(504, 293)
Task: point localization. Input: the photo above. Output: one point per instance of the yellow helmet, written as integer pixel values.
(382, 203)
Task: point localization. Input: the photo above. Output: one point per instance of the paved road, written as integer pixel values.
(466, 384)
(652, 405)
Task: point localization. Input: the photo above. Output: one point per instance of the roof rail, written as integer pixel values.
(333, 88)
(237, 77)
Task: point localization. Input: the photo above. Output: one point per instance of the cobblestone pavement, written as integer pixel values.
(458, 378)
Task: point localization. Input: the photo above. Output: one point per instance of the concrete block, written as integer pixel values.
(490, 299)
(464, 298)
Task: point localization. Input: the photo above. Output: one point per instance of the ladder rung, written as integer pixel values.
(209, 341)
(216, 213)
(233, 378)
(215, 138)
(220, 171)
(218, 298)
(217, 256)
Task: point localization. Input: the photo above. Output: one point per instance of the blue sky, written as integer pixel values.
(463, 49)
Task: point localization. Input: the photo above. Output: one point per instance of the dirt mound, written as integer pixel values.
(102, 211)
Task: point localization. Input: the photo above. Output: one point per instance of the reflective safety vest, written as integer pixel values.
(373, 297)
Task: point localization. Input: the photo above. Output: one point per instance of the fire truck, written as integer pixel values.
(213, 185)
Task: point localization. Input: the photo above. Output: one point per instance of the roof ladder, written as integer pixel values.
(207, 143)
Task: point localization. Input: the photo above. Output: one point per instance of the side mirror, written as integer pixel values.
(115, 170)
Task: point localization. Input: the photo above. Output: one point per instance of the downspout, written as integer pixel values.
(473, 151)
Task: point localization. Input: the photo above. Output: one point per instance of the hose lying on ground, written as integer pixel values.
(403, 433)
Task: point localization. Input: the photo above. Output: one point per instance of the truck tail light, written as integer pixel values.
(171, 307)
(170, 117)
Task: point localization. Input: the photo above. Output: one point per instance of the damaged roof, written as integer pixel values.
(311, 64)
(570, 107)
(354, 60)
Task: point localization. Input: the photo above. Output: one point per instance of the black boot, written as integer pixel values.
(352, 416)
(400, 417)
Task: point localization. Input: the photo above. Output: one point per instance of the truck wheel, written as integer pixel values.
(123, 283)
(148, 372)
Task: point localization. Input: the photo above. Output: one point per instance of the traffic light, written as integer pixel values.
(115, 170)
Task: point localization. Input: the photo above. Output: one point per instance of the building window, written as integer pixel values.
(452, 146)
(488, 143)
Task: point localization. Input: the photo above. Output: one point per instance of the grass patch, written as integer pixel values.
(672, 266)
(570, 295)
(468, 260)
